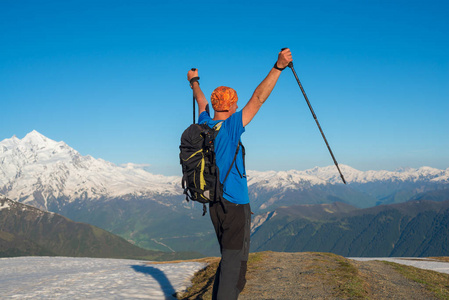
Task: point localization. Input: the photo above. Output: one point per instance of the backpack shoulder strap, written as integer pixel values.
(233, 161)
(217, 126)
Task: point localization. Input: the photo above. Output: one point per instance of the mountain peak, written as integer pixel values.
(35, 137)
(34, 132)
(8, 143)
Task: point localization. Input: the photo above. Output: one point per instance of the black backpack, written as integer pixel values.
(200, 179)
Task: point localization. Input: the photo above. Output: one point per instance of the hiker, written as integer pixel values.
(231, 217)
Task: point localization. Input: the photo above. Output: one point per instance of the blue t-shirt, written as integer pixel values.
(235, 188)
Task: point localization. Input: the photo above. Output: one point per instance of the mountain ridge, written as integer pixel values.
(28, 231)
(49, 174)
(415, 228)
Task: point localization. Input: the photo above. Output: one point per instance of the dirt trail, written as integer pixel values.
(385, 282)
(326, 276)
(289, 276)
(274, 275)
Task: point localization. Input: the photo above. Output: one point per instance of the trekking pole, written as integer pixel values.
(290, 65)
(193, 109)
(193, 69)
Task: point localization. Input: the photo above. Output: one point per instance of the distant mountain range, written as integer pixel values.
(49, 175)
(28, 231)
(150, 210)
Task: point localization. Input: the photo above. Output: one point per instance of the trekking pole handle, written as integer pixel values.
(290, 64)
(194, 69)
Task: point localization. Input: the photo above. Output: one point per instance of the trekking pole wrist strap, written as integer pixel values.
(193, 80)
(277, 68)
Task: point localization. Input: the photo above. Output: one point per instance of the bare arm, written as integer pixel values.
(201, 100)
(264, 89)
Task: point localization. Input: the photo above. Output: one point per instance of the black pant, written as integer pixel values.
(233, 233)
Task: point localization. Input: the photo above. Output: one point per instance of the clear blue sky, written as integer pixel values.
(109, 77)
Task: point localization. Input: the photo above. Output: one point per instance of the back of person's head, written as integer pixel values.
(223, 98)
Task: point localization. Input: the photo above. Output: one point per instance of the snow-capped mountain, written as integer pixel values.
(36, 170)
(44, 173)
(294, 179)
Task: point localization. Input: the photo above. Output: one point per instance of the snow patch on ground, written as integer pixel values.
(92, 278)
(417, 262)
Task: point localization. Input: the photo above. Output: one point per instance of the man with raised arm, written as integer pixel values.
(232, 217)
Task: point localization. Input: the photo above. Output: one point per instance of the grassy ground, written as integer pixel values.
(347, 280)
(344, 276)
(322, 275)
(436, 283)
(441, 258)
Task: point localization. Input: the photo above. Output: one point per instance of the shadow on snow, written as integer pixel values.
(166, 286)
